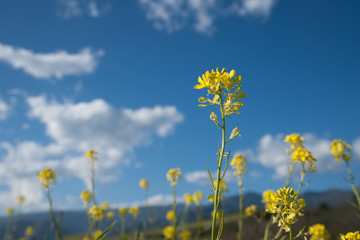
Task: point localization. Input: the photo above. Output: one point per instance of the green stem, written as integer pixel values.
(52, 216)
(241, 208)
(182, 221)
(123, 228)
(219, 163)
(302, 177)
(290, 233)
(352, 184)
(174, 209)
(199, 223)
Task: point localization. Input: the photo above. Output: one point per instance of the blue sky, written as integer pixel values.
(118, 76)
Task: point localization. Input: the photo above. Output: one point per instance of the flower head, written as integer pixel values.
(169, 232)
(188, 198)
(29, 231)
(185, 235)
(303, 156)
(286, 203)
(250, 210)
(86, 196)
(341, 150)
(173, 176)
(47, 177)
(171, 216)
(10, 211)
(198, 197)
(294, 139)
(20, 199)
(350, 236)
(266, 195)
(123, 211)
(134, 211)
(238, 163)
(318, 232)
(110, 214)
(96, 213)
(97, 234)
(105, 205)
(144, 184)
(91, 155)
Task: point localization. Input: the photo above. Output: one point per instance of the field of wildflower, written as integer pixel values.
(279, 218)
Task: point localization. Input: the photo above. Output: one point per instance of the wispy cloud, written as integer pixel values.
(4, 109)
(50, 65)
(75, 8)
(172, 15)
(75, 128)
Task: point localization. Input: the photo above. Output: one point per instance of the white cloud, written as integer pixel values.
(75, 128)
(48, 65)
(75, 8)
(356, 148)
(156, 200)
(202, 177)
(4, 109)
(172, 15)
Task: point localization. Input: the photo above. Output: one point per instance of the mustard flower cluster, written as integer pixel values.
(20, 199)
(217, 82)
(318, 232)
(29, 231)
(350, 236)
(198, 197)
(299, 153)
(10, 211)
(222, 189)
(134, 211)
(91, 155)
(238, 164)
(185, 235)
(122, 212)
(169, 232)
(110, 214)
(173, 176)
(285, 203)
(47, 177)
(170, 216)
(341, 150)
(188, 198)
(144, 184)
(250, 210)
(96, 213)
(105, 206)
(97, 233)
(86, 197)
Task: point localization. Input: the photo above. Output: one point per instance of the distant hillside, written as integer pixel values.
(76, 221)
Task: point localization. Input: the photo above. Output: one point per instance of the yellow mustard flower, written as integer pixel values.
(286, 203)
(96, 213)
(223, 189)
(185, 235)
(303, 156)
(110, 214)
(198, 197)
(350, 236)
(267, 194)
(123, 211)
(171, 216)
(188, 198)
(47, 177)
(173, 176)
(91, 155)
(10, 211)
(86, 196)
(238, 163)
(144, 184)
(217, 82)
(97, 233)
(105, 206)
(218, 214)
(341, 150)
(294, 139)
(318, 232)
(169, 232)
(250, 210)
(29, 231)
(20, 199)
(134, 211)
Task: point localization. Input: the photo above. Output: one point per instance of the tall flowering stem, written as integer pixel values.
(341, 151)
(144, 184)
(225, 86)
(92, 158)
(47, 178)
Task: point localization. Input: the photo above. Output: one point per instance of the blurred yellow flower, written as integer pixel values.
(188, 198)
(29, 231)
(105, 205)
(170, 215)
(20, 199)
(341, 150)
(96, 213)
(97, 234)
(198, 197)
(318, 232)
(123, 211)
(303, 156)
(46, 177)
(238, 163)
(169, 232)
(185, 235)
(173, 175)
(294, 139)
(350, 236)
(267, 194)
(218, 214)
(10, 211)
(110, 214)
(144, 184)
(134, 211)
(86, 196)
(285, 203)
(91, 155)
(250, 210)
